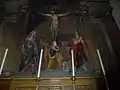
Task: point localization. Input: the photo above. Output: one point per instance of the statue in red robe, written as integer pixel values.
(79, 46)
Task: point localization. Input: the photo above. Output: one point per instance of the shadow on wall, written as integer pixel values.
(114, 35)
(116, 11)
(1, 13)
(34, 21)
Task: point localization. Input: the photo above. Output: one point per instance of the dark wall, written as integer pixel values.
(1, 11)
(39, 3)
(114, 35)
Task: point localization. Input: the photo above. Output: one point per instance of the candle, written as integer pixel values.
(73, 66)
(3, 61)
(101, 63)
(40, 62)
(103, 70)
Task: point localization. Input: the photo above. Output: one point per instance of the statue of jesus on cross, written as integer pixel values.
(55, 22)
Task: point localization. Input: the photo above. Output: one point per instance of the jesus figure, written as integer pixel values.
(55, 22)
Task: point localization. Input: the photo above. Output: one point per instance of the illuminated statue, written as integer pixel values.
(54, 56)
(30, 53)
(55, 22)
(79, 48)
(31, 36)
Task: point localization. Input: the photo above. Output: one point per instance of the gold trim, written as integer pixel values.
(19, 78)
(47, 78)
(89, 77)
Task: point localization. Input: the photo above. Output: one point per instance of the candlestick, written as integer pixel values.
(73, 66)
(3, 61)
(40, 62)
(101, 63)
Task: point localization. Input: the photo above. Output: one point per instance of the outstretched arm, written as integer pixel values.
(49, 15)
(60, 15)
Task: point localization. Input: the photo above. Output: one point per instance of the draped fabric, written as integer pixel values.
(55, 58)
(79, 53)
(30, 53)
